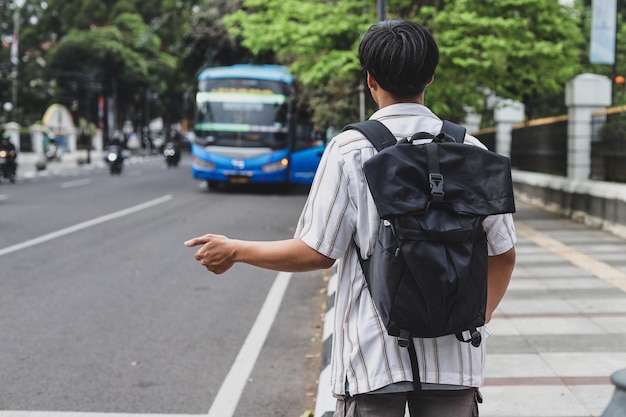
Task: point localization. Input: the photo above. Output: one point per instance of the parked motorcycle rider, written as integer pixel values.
(8, 156)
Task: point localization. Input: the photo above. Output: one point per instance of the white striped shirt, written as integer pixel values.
(340, 209)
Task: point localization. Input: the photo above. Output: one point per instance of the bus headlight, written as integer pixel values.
(276, 166)
(203, 164)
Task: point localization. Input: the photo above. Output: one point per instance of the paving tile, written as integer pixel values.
(595, 398)
(517, 365)
(556, 325)
(602, 305)
(531, 401)
(615, 325)
(576, 283)
(502, 327)
(585, 363)
(505, 343)
(556, 271)
(512, 306)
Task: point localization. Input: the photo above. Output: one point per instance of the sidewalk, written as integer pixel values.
(560, 331)
(27, 163)
(77, 160)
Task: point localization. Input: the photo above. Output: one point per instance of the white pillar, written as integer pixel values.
(97, 140)
(36, 138)
(71, 139)
(506, 114)
(584, 94)
(472, 120)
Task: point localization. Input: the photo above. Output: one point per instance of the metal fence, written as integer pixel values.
(538, 146)
(541, 145)
(26, 143)
(608, 145)
(487, 137)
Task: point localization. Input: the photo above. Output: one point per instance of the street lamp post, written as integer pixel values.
(382, 15)
(15, 53)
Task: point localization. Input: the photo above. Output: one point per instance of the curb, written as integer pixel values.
(325, 402)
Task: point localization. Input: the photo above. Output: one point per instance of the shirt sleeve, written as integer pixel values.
(327, 223)
(501, 234)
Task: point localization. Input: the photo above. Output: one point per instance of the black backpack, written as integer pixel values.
(427, 274)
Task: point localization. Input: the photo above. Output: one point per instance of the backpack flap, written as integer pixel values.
(476, 181)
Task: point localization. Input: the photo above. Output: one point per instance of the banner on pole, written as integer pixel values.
(603, 25)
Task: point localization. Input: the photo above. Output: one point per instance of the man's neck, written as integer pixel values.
(384, 99)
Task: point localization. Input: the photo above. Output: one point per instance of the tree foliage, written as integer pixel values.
(515, 49)
(318, 39)
(150, 52)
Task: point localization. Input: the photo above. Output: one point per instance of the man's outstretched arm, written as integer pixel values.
(219, 253)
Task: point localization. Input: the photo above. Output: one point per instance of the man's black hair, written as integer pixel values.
(400, 55)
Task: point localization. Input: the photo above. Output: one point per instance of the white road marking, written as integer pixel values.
(85, 225)
(230, 392)
(81, 414)
(76, 183)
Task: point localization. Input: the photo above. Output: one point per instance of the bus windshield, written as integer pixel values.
(242, 119)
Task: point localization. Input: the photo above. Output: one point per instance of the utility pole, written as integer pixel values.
(382, 15)
(15, 55)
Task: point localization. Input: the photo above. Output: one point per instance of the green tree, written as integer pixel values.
(125, 59)
(517, 49)
(150, 49)
(318, 39)
(514, 48)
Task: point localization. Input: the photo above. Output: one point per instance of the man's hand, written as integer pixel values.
(216, 254)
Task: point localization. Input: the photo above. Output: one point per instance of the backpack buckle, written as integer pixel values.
(404, 339)
(470, 336)
(436, 186)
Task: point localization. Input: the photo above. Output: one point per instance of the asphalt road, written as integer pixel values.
(103, 309)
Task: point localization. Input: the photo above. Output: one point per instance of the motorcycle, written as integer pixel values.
(8, 166)
(115, 160)
(53, 151)
(172, 154)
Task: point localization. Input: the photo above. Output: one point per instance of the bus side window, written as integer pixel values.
(307, 135)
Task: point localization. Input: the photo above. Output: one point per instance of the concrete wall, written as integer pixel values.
(595, 203)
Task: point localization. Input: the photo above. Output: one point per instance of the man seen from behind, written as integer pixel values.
(371, 375)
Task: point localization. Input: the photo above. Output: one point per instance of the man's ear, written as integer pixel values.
(371, 81)
(432, 78)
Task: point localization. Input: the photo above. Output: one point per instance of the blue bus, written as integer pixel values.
(250, 128)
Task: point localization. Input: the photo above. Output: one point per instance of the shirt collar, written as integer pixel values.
(403, 109)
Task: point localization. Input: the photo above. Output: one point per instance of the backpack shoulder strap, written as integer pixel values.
(376, 132)
(457, 132)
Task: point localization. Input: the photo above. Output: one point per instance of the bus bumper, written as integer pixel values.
(239, 177)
